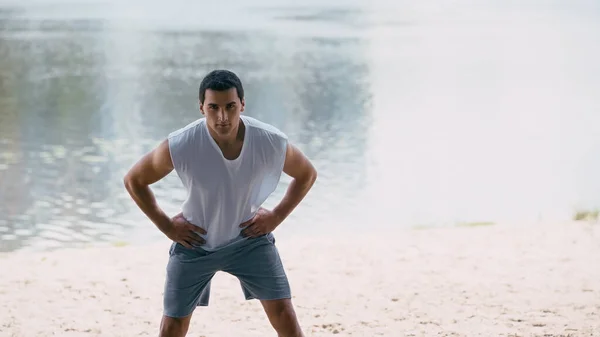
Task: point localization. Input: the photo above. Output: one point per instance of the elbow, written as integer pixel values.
(311, 177)
(306, 179)
(129, 182)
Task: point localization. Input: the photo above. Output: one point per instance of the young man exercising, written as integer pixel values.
(229, 165)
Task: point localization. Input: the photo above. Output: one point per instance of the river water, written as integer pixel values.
(415, 113)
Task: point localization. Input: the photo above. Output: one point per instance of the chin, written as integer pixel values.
(223, 131)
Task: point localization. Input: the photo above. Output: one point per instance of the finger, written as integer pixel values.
(252, 231)
(246, 231)
(185, 244)
(197, 240)
(196, 229)
(248, 222)
(195, 237)
(249, 234)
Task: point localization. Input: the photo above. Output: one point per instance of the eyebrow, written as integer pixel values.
(232, 102)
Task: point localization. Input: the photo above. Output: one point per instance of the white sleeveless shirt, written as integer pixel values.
(222, 193)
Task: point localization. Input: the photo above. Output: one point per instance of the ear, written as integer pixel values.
(243, 105)
(201, 107)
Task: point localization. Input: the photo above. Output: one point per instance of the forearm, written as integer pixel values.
(144, 198)
(296, 191)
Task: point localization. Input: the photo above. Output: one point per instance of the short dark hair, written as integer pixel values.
(220, 80)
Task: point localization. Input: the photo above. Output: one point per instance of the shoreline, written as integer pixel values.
(295, 231)
(496, 280)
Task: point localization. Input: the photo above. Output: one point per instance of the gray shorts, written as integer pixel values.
(254, 261)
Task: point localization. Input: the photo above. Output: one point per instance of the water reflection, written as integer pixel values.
(413, 114)
(87, 100)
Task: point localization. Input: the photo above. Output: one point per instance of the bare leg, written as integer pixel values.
(283, 317)
(174, 326)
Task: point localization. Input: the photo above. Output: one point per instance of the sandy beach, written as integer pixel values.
(498, 280)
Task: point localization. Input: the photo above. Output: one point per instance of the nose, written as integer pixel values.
(222, 116)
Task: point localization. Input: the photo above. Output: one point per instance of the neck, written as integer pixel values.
(230, 140)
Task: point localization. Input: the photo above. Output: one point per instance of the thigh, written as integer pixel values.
(187, 285)
(260, 270)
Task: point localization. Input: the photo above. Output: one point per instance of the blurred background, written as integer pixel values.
(415, 113)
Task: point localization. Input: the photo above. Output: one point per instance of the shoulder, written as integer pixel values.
(269, 143)
(187, 130)
(185, 139)
(260, 129)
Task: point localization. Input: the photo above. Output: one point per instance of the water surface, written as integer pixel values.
(414, 114)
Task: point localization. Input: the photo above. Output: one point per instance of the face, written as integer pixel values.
(222, 110)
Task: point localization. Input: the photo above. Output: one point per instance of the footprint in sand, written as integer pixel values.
(334, 328)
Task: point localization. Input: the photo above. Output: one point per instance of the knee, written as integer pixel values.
(286, 315)
(173, 327)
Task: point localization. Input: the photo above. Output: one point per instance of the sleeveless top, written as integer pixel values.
(223, 193)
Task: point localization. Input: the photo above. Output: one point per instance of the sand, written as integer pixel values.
(499, 280)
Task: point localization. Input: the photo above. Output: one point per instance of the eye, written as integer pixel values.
(230, 106)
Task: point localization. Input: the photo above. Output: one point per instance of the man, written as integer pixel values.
(229, 165)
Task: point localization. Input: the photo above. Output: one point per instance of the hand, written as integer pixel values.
(262, 223)
(185, 233)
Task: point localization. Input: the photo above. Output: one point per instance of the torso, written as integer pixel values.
(226, 186)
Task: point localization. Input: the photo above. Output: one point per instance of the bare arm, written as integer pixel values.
(151, 168)
(304, 176)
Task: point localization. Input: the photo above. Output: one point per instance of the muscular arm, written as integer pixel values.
(152, 167)
(304, 176)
